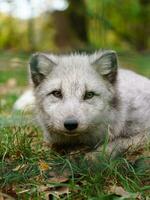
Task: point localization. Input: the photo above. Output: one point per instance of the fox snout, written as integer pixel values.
(71, 123)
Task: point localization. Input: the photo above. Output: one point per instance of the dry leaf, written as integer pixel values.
(57, 193)
(62, 190)
(5, 197)
(43, 166)
(58, 179)
(118, 190)
(51, 191)
(1, 197)
(43, 188)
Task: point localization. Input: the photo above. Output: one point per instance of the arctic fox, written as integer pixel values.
(82, 99)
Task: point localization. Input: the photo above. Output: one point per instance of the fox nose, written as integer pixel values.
(71, 124)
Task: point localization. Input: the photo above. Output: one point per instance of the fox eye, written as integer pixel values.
(56, 93)
(89, 95)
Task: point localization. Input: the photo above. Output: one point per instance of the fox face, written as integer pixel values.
(74, 94)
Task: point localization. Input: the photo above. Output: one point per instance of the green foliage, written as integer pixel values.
(108, 24)
(119, 24)
(22, 35)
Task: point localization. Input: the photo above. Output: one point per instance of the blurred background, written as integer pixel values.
(61, 26)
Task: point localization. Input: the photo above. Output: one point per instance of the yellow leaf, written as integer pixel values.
(43, 166)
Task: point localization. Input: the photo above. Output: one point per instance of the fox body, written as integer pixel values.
(81, 99)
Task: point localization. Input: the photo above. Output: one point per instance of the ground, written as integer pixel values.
(30, 170)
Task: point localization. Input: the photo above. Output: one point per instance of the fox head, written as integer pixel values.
(74, 93)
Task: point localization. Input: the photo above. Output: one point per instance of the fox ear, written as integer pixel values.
(106, 65)
(40, 66)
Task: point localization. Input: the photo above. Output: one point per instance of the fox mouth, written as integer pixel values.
(68, 133)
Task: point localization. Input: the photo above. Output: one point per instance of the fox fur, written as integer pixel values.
(92, 92)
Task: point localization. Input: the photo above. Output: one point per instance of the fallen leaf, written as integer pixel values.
(58, 179)
(120, 191)
(62, 190)
(4, 196)
(51, 191)
(43, 188)
(57, 193)
(1, 197)
(44, 166)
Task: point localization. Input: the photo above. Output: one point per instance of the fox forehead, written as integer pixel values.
(73, 66)
(73, 58)
(72, 73)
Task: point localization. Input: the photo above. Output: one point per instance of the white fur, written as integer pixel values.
(25, 102)
(74, 74)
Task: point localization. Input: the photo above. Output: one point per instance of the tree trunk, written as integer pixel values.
(71, 26)
(31, 38)
(143, 28)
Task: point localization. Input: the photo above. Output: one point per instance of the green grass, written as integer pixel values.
(21, 174)
(13, 66)
(139, 63)
(28, 168)
(20, 73)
